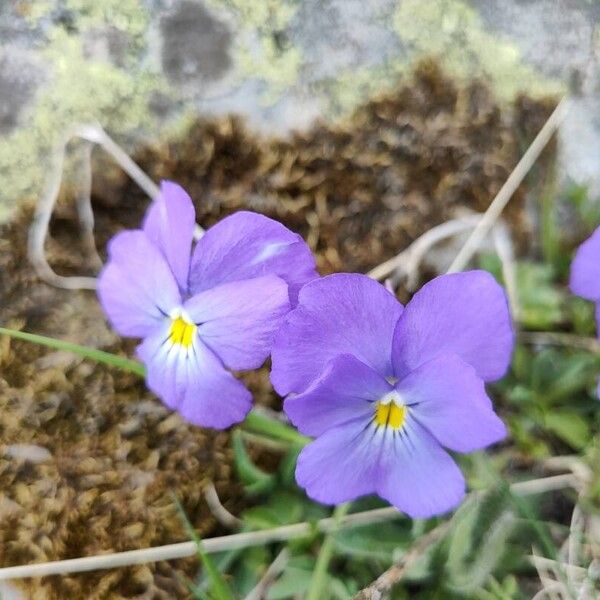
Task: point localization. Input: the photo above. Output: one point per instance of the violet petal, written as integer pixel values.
(465, 314)
(247, 245)
(338, 314)
(169, 223)
(136, 287)
(447, 397)
(238, 320)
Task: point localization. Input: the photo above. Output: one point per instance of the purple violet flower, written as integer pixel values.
(585, 274)
(205, 312)
(585, 269)
(385, 389)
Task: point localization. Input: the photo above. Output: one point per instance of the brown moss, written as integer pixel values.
(358, 191)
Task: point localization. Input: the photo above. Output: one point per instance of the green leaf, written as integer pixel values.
(292, 584)
(224, 561)
(255, 480)
(520, 395)
(557, 375)
(282, 508)
(491, 262)
(374, 542)
(341, 589)
(582, 315)
(219, 588)
(251, 568)
(478, 540)
(587, 207)
(542, 532)
(573, 376)
(569, 426)
(521, 362)
(507, 590)
(541, 300)
(523, 432)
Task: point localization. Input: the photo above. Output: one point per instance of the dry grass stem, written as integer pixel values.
(97, 135)
(218, 510)
(505, 250)
(550, 592)
(92, 134)
(185, 549)
(247, 539)
(407, 262)
(389, 578)
(547, 338)
(514, 180)
(272, 573)
(41, 221)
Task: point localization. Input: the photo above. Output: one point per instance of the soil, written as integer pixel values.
(89, 459)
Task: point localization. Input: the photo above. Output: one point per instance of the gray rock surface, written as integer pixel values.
(195, 45)
(281, 63)
(20, 77)
(556, 36)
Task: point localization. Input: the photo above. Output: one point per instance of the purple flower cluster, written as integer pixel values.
(384, 389)
(205, 310)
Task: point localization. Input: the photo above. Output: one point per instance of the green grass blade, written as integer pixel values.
(219, 588)
(133, 366)
(196, 592)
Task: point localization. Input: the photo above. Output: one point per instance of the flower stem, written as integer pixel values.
(258, 422)
(319, 581)
(133, 366)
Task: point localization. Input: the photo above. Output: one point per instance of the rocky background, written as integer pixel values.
(142, 68)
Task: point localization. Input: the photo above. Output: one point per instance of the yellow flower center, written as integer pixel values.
(182, 332)
(390, 414)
